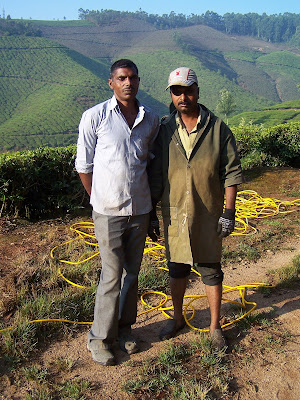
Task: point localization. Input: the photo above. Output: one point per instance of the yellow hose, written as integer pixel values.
(249, 205)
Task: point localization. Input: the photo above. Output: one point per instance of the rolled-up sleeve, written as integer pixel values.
(86, 144)
(230, 165)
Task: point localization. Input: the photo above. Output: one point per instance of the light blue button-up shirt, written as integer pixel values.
(117, 156)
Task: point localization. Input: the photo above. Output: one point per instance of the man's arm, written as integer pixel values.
(86, 180)
(86, 144)
(230, 193)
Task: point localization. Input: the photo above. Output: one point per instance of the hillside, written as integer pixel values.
(47, 82)
(44, 89)
(251, 66)
(278, 114)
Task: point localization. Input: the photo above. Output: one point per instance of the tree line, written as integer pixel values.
(272, 28)
(9, 27)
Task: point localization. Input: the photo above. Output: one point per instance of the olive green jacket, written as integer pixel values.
(192, 191)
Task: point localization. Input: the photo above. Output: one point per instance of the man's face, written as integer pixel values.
(125, 84)
(185, 98)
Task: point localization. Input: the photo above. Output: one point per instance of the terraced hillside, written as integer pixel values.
(281, 113)
(274, 75)
(263, 68)
(44, 88)
(46, 83)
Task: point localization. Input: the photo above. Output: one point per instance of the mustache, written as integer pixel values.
(184, 103)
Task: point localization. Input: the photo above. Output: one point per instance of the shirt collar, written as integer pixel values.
(114, 104)
(180, 123)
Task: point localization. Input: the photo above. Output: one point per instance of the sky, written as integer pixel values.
(68, 9)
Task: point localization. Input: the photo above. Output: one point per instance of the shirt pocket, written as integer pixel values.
(170, 217)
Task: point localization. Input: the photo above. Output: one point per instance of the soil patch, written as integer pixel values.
(264, 359)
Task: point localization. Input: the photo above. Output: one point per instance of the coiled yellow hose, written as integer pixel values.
(249, 205)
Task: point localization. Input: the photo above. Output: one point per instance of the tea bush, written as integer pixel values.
(276, 146)
(40, 183)
(43, 183)
(282, 144)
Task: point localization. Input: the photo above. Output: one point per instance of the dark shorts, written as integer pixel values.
(211, 273)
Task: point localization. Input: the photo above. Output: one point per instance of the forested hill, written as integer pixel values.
(272, 28)
(51, 71)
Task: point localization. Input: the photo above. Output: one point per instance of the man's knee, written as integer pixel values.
(178, 270)
(211, 273)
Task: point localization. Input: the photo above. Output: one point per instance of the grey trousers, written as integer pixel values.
(121, 244)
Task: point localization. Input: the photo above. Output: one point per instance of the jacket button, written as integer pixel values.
(187, 192)
(189, 165)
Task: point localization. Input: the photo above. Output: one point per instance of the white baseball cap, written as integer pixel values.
(182, 76)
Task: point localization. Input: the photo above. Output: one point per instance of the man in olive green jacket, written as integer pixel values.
(195, 164)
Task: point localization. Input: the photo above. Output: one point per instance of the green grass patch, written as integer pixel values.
(263, 319)
(151, 277)
(42, 384)
(181, 371)
(42, 294)
(286, 276)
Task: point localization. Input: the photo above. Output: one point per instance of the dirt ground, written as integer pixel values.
(260, 370)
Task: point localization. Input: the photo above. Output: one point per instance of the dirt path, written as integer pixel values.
(264, 361)
(276, 376)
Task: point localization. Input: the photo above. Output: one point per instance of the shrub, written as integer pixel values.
(247, 136)
(40, 183)
(282, 143)
(276, 146)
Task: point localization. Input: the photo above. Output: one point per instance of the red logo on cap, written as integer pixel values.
(177, 73)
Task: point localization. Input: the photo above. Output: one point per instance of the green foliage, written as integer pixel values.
(252, 77)
(272, 28)
(183, 371)
(20, 341)
(249, 56)
(274, 75)
(247, 137)
(281, 58)
(282, 144)
(63, 23)
(40, 183)
(151, 277)
(288, 275)
(43, 386)
(11, 27)
(276, 146)
(226, 104)
(44, 88)
(273, 115)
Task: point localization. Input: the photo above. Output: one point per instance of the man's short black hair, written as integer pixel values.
(123, 63)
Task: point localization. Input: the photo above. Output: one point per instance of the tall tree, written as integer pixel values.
(226, 104)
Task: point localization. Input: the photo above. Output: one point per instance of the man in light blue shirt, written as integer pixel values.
(113, 151)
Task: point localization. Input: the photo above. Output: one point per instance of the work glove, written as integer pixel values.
(153, 230)
(226, 223)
